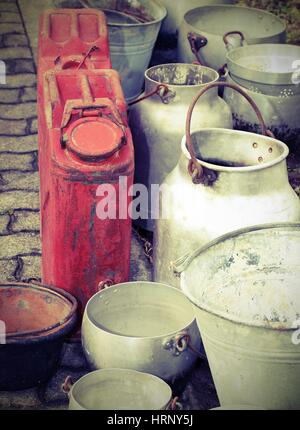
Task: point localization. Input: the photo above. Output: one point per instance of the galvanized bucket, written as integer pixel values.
(118, 389)
(133, 30)
(142, 326)
(245, 287)
(207, 32)
(265, 68)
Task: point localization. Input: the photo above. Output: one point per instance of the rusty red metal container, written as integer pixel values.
(88, 144)
(69, 39)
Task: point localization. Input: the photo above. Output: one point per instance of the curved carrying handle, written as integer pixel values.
(106, 283)
(230, 33)
(67, 385)
(196, 41)
(195, 169)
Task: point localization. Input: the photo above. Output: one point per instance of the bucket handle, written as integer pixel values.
(194, 168)
(67, 385)
(162, 90)
(197, 41)
(106, 283)
(230, 33)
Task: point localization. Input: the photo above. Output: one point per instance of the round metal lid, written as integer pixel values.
(94, 139)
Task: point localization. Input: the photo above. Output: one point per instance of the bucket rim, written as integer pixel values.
(139, 24)
(120, 370)
(236, 7)
(243, 169)
(179, 86)
(189, 258)
(136, 338)
(66, 324)
(254, 75)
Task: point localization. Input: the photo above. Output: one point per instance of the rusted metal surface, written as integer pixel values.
(89, 144)
(37, 320)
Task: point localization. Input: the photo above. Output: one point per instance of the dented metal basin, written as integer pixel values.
(34, 323)
(143, 326)
(245, 287)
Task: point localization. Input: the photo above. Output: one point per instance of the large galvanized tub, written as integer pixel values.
(205, 27)
(119, 389)
(245, 287)
(142, 326)
(133, 29)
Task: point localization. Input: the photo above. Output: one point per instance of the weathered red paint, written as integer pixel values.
(87, 143)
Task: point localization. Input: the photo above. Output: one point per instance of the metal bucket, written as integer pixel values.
(205, 32)
(119, 389)
(141, 326)
(246, 292)
(265, 68)
(281, 112)
(133, 30)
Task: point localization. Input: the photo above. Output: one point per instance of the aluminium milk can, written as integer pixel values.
(240, 179)
(157, 122)
(266, 72)
(205, 29)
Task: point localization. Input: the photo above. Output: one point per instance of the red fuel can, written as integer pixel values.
(90, 159)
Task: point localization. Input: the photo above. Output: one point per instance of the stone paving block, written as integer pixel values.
(19, 40)
(11, 28)
(12, 128)
(8, 96)
(25, 221)
(26, 399)
(9, 17)
(31, 268)
(11, 7)
(34, 126)
(4, 220)
(7, 269)
(21, 162)
(19, 181)
(20, 80)
(18, 111)
(11, 200)
(28, 94)
(19, 66)
(18, 144)
(14, 52)
(19, 243)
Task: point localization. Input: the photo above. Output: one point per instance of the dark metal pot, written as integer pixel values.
(36, 320)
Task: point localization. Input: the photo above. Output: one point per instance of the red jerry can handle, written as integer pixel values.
(97, 132)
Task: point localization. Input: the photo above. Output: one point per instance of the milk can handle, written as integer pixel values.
(195, 169)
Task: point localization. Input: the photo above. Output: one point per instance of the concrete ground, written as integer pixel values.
(20, 250)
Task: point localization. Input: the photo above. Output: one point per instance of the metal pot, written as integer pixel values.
(205, 29)
(36, 320)
(245, 288)
(238, 179)
(177, 9)
(133, 29)
(118, 389)
(281, 113)
(141, 326)
(265, 68)
(157, 122)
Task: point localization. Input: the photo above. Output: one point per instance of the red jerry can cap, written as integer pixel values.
(97, 135)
